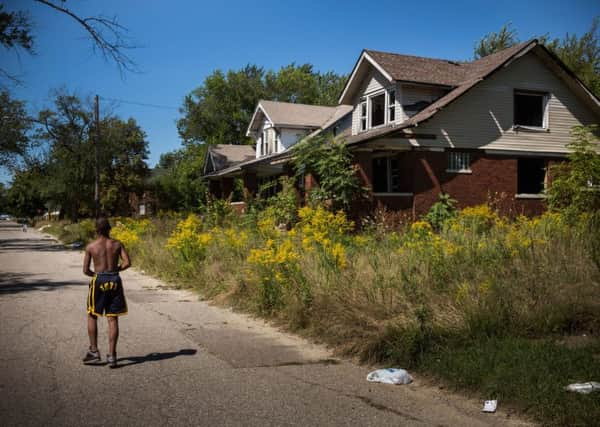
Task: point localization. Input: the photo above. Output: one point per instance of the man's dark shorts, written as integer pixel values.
(106, 296)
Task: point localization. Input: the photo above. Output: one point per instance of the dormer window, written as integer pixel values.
(530, 109)
(377, 110)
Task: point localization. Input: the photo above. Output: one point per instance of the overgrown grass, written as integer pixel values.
(479, 303)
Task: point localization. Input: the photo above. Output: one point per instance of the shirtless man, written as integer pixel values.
(105, 294)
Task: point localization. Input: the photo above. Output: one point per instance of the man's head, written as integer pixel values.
(102, 226)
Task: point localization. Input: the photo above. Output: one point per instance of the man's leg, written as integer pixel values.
(92, 327)
(113, 334)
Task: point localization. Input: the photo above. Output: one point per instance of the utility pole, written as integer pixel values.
(97, 153)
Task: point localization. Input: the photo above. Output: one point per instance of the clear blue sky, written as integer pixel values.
(182, 42)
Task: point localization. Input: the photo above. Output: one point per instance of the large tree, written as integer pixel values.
(580, 54)
(219, 111)
(14, 126)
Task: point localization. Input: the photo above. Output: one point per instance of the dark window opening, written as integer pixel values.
(531, 176)
(378, 110)
(529, 109)
(412, 109)
(380, 175)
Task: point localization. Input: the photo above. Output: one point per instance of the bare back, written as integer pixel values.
(105, 252)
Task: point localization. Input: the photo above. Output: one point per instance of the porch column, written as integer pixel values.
(226, 188)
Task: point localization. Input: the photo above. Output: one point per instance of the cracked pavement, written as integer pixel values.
(182, 361)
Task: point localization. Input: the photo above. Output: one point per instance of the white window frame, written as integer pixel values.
(366, 100)
(391, 107)
(545, 116)
(459, 162)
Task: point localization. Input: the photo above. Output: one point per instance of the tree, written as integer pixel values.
(494, 42)
(575, 187)
(25, 196)
(219, 111)
(177, 180)
(124, 168)
(330, 162)
(107, 34)
(581, 55)
(14, 126)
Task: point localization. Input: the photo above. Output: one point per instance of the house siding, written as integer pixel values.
(483, 117)
(373, 82)
(412, 94)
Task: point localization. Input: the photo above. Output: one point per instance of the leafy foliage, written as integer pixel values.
(330, 162)
(14, 125)
(575, 187)
(220, 110)
(441, 211)
(581, 55)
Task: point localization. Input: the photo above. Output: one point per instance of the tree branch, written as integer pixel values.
(112, 45)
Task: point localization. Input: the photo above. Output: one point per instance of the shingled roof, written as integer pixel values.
(222, 156)
(403, 68)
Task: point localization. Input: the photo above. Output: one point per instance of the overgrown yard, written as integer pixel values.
(501, 309)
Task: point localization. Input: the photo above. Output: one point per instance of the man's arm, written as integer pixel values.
(125, 261)
(87, 259)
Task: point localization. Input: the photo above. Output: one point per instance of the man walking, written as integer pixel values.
(105, 294)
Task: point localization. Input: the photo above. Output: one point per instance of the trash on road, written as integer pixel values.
(76, 245)
(490, 405)
(390, 376)
(584, 388)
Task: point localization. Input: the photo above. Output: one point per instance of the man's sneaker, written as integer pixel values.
(92, 357)
(112, 361)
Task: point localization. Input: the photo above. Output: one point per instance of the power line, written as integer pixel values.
(164, 107)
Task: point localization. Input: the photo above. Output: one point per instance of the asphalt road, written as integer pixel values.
(182, 361)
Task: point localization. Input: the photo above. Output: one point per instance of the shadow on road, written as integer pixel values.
(13, 283)
(153, 357)
(46, 245)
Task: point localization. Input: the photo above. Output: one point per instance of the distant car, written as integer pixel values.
(4, 217)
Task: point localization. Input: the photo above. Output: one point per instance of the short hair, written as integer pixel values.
(103, 226)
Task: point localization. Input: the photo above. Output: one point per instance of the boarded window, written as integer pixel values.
(531, 176)
(529, 109)
(459, 162)
(378, 110)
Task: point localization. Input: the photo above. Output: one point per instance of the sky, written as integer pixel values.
(179, 43)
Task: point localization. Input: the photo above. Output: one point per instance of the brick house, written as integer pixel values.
(420, 126)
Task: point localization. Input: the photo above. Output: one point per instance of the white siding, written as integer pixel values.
(373, 82)
(411, 94)
(288, 137)
(483, 117)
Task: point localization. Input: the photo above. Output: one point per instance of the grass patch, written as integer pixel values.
(526, 374)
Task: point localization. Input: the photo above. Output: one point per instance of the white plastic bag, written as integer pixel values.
(390, 376)
(584, 388)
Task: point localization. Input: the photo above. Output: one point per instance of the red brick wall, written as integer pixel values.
(492, 179)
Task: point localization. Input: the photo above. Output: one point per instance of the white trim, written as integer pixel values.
(460, 171)
(393, 194)
(364, 56)
(530, 196)
(248, 131)
(528, 153)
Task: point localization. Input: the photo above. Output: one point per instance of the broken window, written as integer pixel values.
(386, 175)
(530, 109)
(412, 109)
(392, 106)
(363, 115)
(378, 110)
(459, 162)
(531, 176)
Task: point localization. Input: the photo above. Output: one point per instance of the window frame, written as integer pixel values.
(391, 106)
(389, 176)
(456, 159)
(364, 121)
(545, 116)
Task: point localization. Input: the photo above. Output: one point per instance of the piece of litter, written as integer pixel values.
(490, 405)
(390, 376)
(584, 388)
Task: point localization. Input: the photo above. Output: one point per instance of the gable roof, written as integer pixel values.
(421, 70)
(222, 156)
(287, 114)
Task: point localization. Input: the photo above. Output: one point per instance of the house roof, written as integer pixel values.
(477, 72)
(287, 114)
(221, 156)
